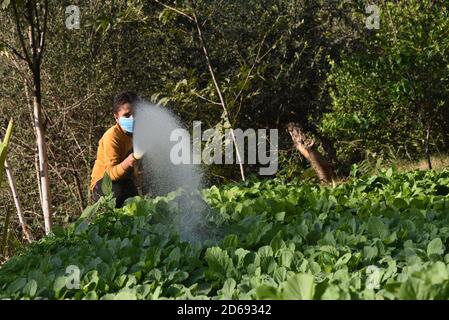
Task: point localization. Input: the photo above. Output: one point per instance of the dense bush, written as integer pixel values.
(395, 87)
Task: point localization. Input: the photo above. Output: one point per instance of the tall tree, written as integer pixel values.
(30, 21)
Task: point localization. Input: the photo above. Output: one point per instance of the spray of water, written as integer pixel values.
(152, 129)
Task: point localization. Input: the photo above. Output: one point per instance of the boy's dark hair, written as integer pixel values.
(124, 97)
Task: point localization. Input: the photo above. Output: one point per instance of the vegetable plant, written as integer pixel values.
(374, 237)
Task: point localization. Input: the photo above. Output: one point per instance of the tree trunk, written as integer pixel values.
(307, 149)
(427, 151)
(326, 143)
(43, 162)
(12, 184)
(36, 165)
(36, 41)
(35, 19)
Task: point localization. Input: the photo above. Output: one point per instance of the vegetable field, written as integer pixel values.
(377, 237)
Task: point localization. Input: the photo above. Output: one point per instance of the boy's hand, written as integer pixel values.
(129, 162)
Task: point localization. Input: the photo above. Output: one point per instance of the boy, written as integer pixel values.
(114, 154)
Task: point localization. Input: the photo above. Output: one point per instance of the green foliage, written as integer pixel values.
(3, 153)
(4, 149)
(106, 185)
(376, 237)
(387, 93)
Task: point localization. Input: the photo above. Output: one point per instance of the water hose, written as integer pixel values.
(138, 174)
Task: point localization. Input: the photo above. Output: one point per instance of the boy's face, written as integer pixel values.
(126, 111)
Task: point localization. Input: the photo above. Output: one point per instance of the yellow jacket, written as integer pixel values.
(113, 148)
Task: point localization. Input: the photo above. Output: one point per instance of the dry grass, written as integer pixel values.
(438, 163)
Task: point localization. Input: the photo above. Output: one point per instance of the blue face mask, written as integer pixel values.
(127, 124)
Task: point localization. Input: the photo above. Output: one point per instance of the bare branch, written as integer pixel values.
(217, 86)
(205, 99)
(211, 14)
(19, 31)
(23, 74)
(15, 194)
(32, 35)
(175, 10)
(43, 33)
(256, 61)
(36, 12)
(17, 53)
